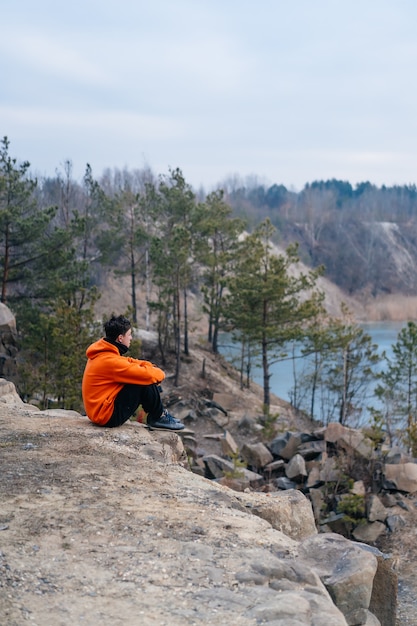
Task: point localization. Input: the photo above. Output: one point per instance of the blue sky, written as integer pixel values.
(288, 91)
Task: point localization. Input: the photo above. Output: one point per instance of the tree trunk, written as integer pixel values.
(5, 270)
(342, 417)
(177, 335)
(147, 289)
(314, 385)
(186, 346)
(133, 285)
(216, 322)
(266, 377)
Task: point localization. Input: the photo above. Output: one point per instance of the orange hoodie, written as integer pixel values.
(105, 374)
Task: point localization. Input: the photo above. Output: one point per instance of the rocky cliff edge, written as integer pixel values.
(110, 527)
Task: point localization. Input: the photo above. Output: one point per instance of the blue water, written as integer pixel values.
(383, 334)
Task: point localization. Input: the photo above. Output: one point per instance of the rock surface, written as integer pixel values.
(107, 526)
(8, 342)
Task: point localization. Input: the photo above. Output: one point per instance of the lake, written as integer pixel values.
(383, 334)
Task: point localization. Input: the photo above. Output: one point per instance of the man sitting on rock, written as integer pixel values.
(114, 386)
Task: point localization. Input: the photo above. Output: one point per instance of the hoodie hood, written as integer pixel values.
(100, 346)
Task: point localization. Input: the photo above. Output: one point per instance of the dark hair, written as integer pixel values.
(116, 326)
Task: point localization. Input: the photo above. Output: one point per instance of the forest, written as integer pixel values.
(365, 236)
(59, 237)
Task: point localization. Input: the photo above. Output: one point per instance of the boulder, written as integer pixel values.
(346, 570)
(286, 445)
(358, 488)
(403, 476)
(292, 593)
(372, 620)
(8, 393)
(8, 342)
(394, 522)
(384, 598)
(297, 608)
(351, 440)
(376, 510)
(312, 449)
(369, 532)
(278, 445)
(389, 499)
(256, 454)
(396, 455)
(313, 479)
(317, 499)
(296, 468)
(220, 468)
(228, 444)
(288, 511)
(282, 482)
(275, 467)
(330, 473)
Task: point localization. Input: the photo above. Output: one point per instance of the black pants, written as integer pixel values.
(128, 400)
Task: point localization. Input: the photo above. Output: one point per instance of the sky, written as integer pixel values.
(269, 91)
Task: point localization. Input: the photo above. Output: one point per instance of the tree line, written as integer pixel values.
(58, 236)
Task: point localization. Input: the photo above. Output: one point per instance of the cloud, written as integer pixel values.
(51, 56)
(128, 124)
(291, 91)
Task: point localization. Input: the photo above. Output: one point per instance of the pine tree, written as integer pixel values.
(348, 371)
(172, 262)
(54, 306)
(267, 305)
(52, 357)
(215, 249)
(398, 384)
(23, 226)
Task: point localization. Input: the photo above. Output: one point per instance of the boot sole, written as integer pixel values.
(168, 430)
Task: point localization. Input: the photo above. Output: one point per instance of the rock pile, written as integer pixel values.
(356, 487)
